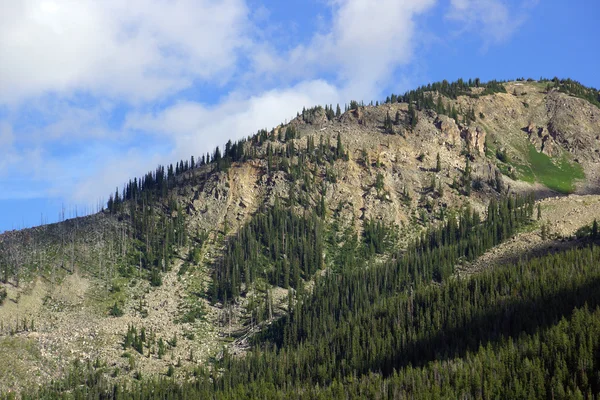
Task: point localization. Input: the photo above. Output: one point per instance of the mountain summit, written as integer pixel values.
(353, 248)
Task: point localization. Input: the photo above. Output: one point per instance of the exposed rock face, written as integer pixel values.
(219, 203)
(355, 115)
(480, 139)
(449, 129)
(572, 125)
(541, 139)
(475, 138)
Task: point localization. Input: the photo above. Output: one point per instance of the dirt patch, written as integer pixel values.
(562, 215)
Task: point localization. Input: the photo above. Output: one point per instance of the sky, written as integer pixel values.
(93, 93)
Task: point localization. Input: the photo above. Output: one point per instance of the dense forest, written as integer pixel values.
(388, 329)
(528, 330)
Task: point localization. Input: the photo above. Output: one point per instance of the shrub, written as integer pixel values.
(155, 277)
(115, 310)
(170, 371)
(3, 295)
(477, 183)
(501, 155)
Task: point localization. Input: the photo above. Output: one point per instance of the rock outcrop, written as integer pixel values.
(475, 138)
(541, 139)
(449, 129)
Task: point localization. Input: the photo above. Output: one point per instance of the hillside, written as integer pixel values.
(318, 233)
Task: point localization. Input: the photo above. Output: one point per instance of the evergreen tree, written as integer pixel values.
(466, 178)
(387, 124)
(339, 150)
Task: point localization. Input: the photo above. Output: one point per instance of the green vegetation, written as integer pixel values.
(18, 353)
(423, 97)
(115, 311)
(588, 231)
(558, 175)
(502, 156)
(194, 312)
(276, 245)
(574, 88)
(364, 317)
(535, 324)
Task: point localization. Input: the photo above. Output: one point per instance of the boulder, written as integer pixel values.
(448, 128)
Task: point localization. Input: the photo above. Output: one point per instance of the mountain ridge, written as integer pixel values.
(371, 181)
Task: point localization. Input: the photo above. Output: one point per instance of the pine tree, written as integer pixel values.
(454, 113)
(387, 124)
(412, 117)
(339, 151)
(379, 182)
(440, 106)
(466, 178)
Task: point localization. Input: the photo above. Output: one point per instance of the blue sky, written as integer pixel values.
(95, 92)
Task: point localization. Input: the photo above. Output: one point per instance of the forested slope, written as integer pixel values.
(321, 258)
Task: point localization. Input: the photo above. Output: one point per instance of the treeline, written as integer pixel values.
(423, 97)
(156, 220)
(448, 322)
(574, 88)
(282, 244)
(429, 97)
(155, 185)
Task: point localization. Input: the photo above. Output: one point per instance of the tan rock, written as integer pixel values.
(449, 129)
(475, 138)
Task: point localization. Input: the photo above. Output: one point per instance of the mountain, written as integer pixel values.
(400, 248)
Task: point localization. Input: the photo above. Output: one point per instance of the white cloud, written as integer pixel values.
(134, 49)
(191, 128)
(363, 45)
(195, 128)
(134, 52)
(114, 171)
(491, 19)
(7, 136)
(369, 40)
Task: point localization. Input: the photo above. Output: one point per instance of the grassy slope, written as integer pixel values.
(556, 173)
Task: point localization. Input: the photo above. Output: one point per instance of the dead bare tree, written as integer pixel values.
(16, 256)
(4, 261)
(72, 236)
